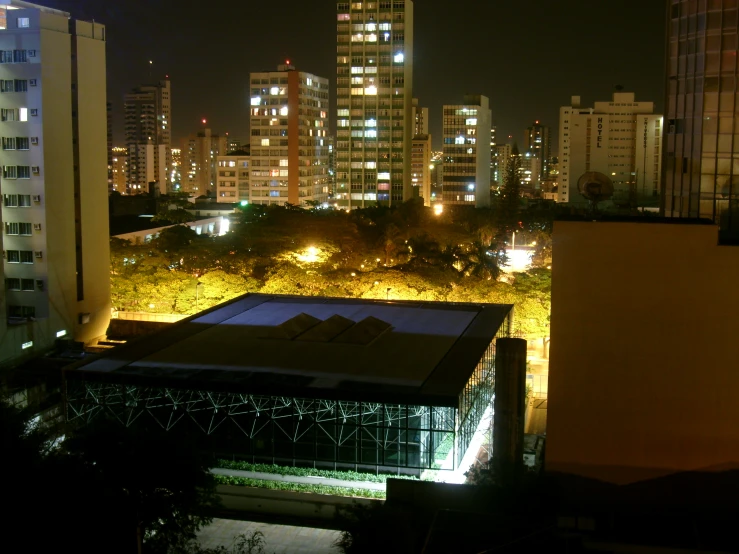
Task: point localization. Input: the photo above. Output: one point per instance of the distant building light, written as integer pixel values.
(25, 345)
(399, 57)
(61, 333)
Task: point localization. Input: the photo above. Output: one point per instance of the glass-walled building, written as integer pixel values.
(701, 168)
(374, 100)
(310, 381)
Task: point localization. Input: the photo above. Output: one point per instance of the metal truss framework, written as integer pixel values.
(281, 428)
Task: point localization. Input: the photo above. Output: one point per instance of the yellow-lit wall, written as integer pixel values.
(644, 346)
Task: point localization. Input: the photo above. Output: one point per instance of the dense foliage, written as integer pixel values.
(309, 472)
(299, 487)
(404, 253)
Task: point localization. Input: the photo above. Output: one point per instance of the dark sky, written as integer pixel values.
(528, 56)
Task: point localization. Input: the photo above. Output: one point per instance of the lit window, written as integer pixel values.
(24, 23)
(61, 333)
(459, 140)
(469, 197)
(23, 114)
(471, 121)
(471, 186)
(265, 142)
(283, 163)
(256, 100)
(370, 91)
(28, 344)
(274, 91)
(399, 57)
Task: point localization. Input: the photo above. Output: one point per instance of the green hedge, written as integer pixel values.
(309, 472)
(297, 487)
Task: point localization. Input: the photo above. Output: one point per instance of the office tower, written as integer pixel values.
(466, 177)
(289, 137)
(621, 139)
(175, 173)
(420, 168)
(148, 136)
(537, 142)
(420, 119)
(232, 184)
(53, 124)
(530, 171)
(119, 169)
(199, 153)
(701, 169)
(374, 102)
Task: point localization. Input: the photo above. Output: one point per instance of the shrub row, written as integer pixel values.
(298, 487)
(309, 472)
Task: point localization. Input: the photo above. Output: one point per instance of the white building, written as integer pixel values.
(232, 181)
(466, 177)
(620, 138)
(421, 167)
(56, 265)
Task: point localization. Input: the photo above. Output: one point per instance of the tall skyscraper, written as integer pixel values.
(375, 123)
(199, 154)
(420, 119)
(701, 169)
(175, 172)
(56, 266)
(289, 137)
(503, 153)
(538, 144)
(620, 138)
(148, 127)
(466, 158)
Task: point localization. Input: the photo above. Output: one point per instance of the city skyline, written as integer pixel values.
(588, 58)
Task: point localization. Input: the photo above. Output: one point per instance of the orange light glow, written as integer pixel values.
(205, 121)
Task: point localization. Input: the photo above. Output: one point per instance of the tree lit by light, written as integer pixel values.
(438, 209)
(310, 255)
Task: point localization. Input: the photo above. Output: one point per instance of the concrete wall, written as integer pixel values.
(644, 350)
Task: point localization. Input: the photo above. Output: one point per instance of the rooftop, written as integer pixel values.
(418, 353)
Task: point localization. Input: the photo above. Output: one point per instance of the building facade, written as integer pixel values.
(148, 127)
(421, 168)
(119, 169)
(199, 153)
(175, 172)
(375, 117)
(420, 119)
(232, 181)
(466, 179)
(621, 138)
(701, 169)
(53, 125)
(538, 144)
(289, 137)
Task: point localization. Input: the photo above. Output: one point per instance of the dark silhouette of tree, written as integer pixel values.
(510, 195)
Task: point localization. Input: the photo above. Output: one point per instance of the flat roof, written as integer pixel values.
(419, 353)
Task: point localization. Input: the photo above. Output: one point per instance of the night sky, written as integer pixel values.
(528, 56)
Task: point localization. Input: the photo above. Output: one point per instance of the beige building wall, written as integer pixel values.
(232, 183)
(420, 167)
(643, 378)
(68, 212)
(199, 154)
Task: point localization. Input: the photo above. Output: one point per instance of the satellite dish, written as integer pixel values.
(595, 186)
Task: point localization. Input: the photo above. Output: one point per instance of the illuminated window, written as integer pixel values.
(274, 91)
(471, 121)
(23, 114)
(265, 142)
(370, 91)
(255, 101)
(469, 197)
(459, 140)
(399, 57)
(24, 23)
(283, 163)
(283, 110)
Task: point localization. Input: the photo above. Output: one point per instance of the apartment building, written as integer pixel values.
(232, 181)
(148, 127)
(56, 269)
(421, 168)
(375, 116)
(289, 137)
(466, 152)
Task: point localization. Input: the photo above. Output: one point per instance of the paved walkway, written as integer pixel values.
(278, 539)
(297, 479)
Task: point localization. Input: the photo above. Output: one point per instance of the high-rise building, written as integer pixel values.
(232, 183)
(148, 136)
(530, 171)
(466, 148)
(119, 169)
(503, 153)
(289, 137)
(620, 138)
(199, 153)
(701, 164)
(53, 125)
(374, 102)
(538, 144)
(233, 144)
(175, 173)
(331, 141)
(420, 167)
(420, 119)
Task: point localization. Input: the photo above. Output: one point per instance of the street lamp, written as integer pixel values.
(197, 290)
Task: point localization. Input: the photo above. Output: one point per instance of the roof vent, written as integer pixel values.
(363, 332)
